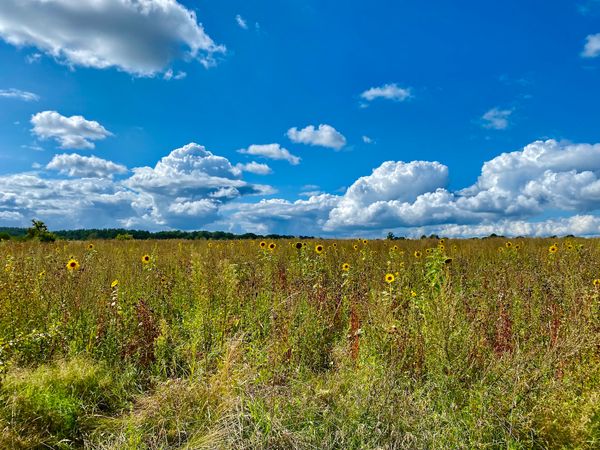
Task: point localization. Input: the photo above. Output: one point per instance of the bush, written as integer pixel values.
(52, 404)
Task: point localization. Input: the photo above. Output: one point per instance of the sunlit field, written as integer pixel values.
(300, 345)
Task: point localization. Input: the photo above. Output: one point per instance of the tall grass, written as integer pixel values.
(474, 344)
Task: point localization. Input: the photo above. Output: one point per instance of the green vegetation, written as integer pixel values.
(146, 344)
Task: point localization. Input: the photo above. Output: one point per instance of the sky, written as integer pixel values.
(320, 117)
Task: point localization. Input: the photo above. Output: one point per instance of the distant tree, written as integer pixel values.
(4, 236)
(39, 231)
(390, 236)
(123, 237)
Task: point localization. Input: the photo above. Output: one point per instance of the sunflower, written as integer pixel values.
(553, 248)
(517, 246)
(389, 278)
(146, 259)
(272, 246)
(334, 245)
(345, 267)
(319, 248)
(442, 241)
(417, 254)
(90, 246)
(262, 244)
(447, 260)
(570, 246)
(596, 282)
(365, 241)
(72, 264)
(442, 247)
(508, 244)
(355, 247)
(413, 294)
(395, 248)
(114, 284)
(428, 250)
(298, 245)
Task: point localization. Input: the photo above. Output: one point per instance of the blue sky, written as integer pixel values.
(461, 120)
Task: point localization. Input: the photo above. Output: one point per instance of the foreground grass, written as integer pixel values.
(474, 344)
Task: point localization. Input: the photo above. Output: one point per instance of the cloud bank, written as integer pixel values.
(545, 188)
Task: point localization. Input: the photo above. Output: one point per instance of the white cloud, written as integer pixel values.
(254, 167)
(324, 136)
(387, 91)
(241, 22)
(271, 151)
(138, 37)
(578, 225)
(75, 165)
(496, 119)
(170, 75)
(367, 140)
(592, 46)
(185, 189)
(18, 94)
(191, 187)
(188, 180)
(70, 132)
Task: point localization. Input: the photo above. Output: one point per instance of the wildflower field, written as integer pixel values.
(300, 345)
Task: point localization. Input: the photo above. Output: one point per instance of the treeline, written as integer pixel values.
(124, 234)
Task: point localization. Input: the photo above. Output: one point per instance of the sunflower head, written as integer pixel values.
(553, 248)
(389, 278)
(334, 245)
(428, 250)
(395, 248)
(114, 284)
(508, 244)
(417, 254)
(442, 247)
(90, 246)
(413, 294)
(72, 264)
(365, 242)
(272, 246)
(145, 259)
(298, 245)
(263, 244)
(319, 248)
(596, 282)
(345, 267)
(355, 247)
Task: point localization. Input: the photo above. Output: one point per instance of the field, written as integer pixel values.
(334, 345)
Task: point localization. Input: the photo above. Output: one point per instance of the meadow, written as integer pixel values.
(345, 344)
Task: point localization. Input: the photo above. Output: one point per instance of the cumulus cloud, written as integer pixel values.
(496, 119)
(271, 151)
(18, 94)
(191, 187)
(70, 132)
(324, 136)
(185, 189)
(190, 183)
(387, 91)
(591, 48)
(138, 37)
(254, 167)
(367, 140)
(75, 165)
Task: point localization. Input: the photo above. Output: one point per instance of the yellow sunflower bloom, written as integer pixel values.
(72, 265)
